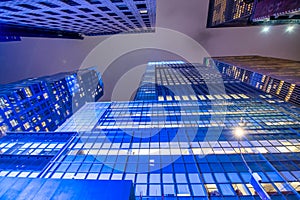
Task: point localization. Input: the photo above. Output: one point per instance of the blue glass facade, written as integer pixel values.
(176, 140)
(75, 18)
(43, 104)
(38, 188)
(167, 150)
(26, 154)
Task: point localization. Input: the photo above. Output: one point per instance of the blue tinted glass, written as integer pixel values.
(131, 167)
(168, 168)
(191, 168)
(63, 167)
(141, 167)
(263, 177)
(73, 167)
(106, 169)
(204, 167)
(246, 176)
(208, 178)
(96, 168)
(84, 168)
(274, 176)
(221, 177)
(228, 167)
(240, 166)
(179, 168)
(216, 167)
(234, 177)
(226, 190)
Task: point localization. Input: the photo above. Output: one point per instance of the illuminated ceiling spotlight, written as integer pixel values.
(290, 29)
(266, 29)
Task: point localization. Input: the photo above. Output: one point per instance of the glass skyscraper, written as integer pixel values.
(175, 140)
(229, 13)
(279, 77)
(42, 104)
(75, 18)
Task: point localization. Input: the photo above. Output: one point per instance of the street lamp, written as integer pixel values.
(266, 29)
(239, 132)
(255, 179)
(290, 28)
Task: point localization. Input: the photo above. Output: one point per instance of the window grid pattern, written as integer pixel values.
(82, 16)
(225, 11)
(115, 150)
(26, 155)
(85, 119)
(282, 81)
(177, 81)
(204, 168)
(111, 144)
(170, 115)
(42, 104)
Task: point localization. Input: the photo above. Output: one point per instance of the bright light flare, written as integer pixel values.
(239, 132)
(266, 29)
(290, 29)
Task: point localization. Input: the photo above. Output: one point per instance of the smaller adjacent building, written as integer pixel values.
(42, 104)
(229, 13)
(279, 77)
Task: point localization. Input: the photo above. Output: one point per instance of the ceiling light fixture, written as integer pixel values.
(290, 28)
(266, 29)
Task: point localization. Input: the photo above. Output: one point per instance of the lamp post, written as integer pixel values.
(255, 179)
(239, 133)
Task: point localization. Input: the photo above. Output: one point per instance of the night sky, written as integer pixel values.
(34, 57)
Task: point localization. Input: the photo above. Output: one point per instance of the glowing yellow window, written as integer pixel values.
(45, 95)
(26, 125)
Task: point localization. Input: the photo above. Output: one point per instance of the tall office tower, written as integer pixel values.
(76, 18)
(176, 81)
(183, 148)
(277, 11)
(278, 77)
(42, 104)
(224, 13)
